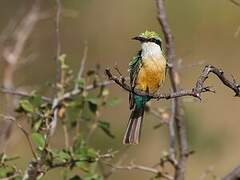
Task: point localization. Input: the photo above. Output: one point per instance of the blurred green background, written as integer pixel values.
(204, 31)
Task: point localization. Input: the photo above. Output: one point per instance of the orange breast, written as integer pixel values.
(151, 75)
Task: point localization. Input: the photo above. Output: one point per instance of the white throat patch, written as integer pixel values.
(151, 50)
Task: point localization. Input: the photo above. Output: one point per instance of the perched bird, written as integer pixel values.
(147, 73)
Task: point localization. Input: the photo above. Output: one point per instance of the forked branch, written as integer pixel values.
(196, 91)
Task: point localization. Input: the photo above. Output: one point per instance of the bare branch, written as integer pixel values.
(22, 94)
(11, 55)
(58, 42)
(26, 134)
(82, 66)
(232, 84)
(75, 92)
(233, 175)
(68, 95)
(59, 74)
(235, 2)
(122, 83)
(133, 166)
(176, 109)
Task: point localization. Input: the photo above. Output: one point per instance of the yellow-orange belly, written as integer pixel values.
(151, 75)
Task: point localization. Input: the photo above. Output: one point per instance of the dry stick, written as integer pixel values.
(80, 74)
(26, 134)
(66, 136)
(58, 42)
(158, 115)
(59, 74)
(237, 3)
(176, 103)
(11, 56)
(133, 166)
(82, 66)
(22, 94)
(194, 92)
(68, 95)
(76, 92)
(233, 175)
(120, 159)
(60, 77)
(93, 126)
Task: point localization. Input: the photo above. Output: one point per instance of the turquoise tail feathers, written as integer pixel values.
(133, 131)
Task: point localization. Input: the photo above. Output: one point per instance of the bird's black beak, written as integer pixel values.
(137, 38)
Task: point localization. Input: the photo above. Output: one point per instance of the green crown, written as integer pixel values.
(151, 34)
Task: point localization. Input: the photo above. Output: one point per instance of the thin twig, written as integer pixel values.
(22, 94)
(233, 175)
(26, 134)
(235, 2)
(12, 177)
(121, 158)
(93, 126)
(76, 92)
(133, 166)
(66, 136)
(58, 42)
(82, 66)
(176, 103)
(194, 92)
(59, 73)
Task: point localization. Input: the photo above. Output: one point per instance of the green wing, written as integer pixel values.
(133, 68)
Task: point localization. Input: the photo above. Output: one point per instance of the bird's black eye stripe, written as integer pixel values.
(159, 43)
(156, 41)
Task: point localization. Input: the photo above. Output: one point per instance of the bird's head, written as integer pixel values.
(149, 36)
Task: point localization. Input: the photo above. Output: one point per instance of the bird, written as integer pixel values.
(147, 73)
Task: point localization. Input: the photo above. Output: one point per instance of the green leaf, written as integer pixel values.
(105, 126)
(6, 171)
(79, 145)
(86, 112)
(62, 156)
(26, 106)
(36, 101)
(93, 107)
(93, 103)
(73, 111)
(92, 176)
(81, 83)
(82, 152)
(38, 140)
(37, 125)
(113, 101)
(82, 165)
(93, 100)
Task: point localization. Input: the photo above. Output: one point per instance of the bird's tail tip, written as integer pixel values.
(133, 131)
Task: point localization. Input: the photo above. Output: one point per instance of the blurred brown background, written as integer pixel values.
(204, 31)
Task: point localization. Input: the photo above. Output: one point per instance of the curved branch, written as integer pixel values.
(194, 92)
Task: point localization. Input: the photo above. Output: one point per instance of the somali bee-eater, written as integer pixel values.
(147, 73)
